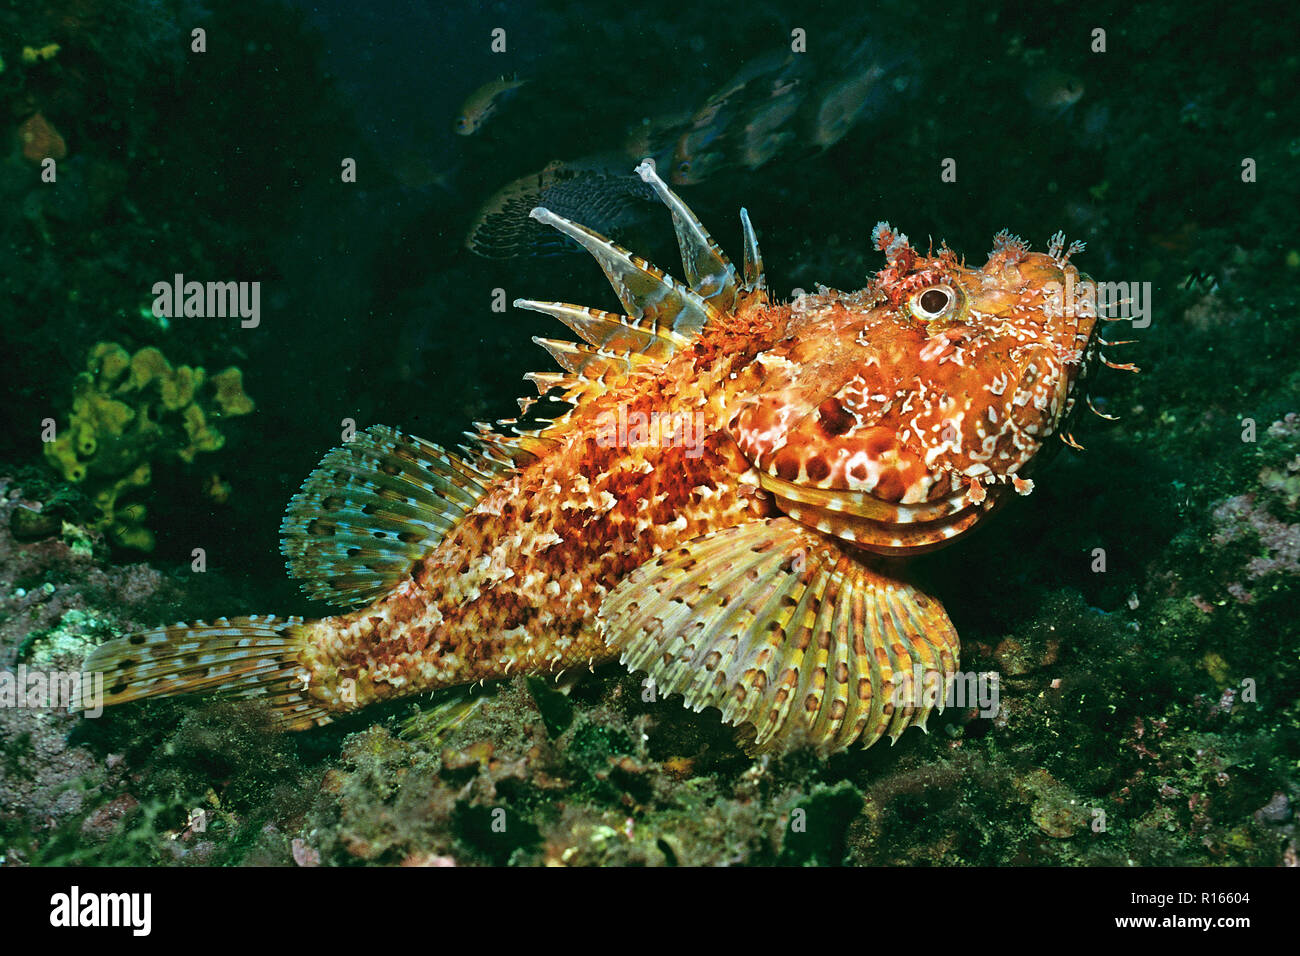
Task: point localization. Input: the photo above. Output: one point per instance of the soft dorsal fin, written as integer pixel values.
(710, 273)
(645, 291)
(375, 506)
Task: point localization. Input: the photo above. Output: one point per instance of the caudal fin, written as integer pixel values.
(243, 657)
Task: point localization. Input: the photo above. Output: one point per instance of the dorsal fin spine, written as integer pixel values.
(644, 290)
(609, 329)
(754, 280)
(710, 273)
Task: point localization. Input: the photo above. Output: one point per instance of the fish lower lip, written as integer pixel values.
(878, 526)
(861, 504)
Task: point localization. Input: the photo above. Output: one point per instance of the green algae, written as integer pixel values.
(71, 639)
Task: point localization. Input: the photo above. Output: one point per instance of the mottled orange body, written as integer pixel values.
(736, 558)
(517, 586)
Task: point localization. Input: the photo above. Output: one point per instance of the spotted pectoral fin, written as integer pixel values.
(783, 630)
(375, 506)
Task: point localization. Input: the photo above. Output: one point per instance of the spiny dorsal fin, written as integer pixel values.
(243, 657)
(487, 458)
(645, 291)
(372, 508)
(710, 273)
(589, 362)
(618, 343)
(754, 281)
(545, 381)
(610, 331)
(520, 449)
(780, 629)
(574, 389)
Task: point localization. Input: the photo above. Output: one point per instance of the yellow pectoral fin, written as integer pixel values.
(783, 630)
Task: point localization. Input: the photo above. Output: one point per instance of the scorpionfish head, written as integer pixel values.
(896, 417)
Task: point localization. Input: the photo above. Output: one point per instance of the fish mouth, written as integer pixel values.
(870, 491)
(876, 525)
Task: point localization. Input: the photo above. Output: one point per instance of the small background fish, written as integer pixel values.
(1054, 92)
(598, 190)
(483, 103)
(779, 105)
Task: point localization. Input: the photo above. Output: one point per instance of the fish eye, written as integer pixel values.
(684, 166)
(932, 302)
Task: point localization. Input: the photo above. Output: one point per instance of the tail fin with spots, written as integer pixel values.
(364, 517)
(243, 657)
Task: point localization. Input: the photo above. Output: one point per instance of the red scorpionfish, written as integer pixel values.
(721, 505)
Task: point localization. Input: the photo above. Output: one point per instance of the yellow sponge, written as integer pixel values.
(130, 410)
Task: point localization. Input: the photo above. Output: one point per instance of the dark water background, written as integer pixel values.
(375, 311)
(226, 165)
